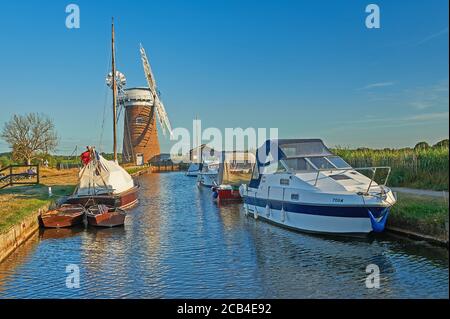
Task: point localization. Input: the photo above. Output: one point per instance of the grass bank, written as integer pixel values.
(421, 214)
(17, 202)
(421, 168)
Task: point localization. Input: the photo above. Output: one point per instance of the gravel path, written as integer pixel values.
(420, 192)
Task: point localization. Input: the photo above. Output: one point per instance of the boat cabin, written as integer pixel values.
(295, 156)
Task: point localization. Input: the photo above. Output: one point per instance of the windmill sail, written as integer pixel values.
(157, 103)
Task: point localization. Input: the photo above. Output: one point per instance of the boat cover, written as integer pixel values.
(102, 176)
(275, 150)
(235, 168)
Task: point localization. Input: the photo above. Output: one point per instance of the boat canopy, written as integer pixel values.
(268, 156)
(102, 176)
(235, 168)
(275, 150)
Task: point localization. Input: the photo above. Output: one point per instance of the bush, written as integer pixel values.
(5, 161)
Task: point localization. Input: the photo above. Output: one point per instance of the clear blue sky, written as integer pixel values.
(310, 68)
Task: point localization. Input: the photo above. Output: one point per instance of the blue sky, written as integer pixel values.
(310, 68)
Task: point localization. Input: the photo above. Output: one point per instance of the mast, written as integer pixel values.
(114, 88)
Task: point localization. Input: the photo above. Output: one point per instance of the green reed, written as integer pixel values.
(420, 168)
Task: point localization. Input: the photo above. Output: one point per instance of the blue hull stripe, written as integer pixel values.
(335, 211)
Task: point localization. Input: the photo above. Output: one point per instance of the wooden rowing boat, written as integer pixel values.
(64, 216)
(105, 216)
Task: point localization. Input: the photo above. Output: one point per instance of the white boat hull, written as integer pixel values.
(207, 180)
(318, 219)
(312, 223)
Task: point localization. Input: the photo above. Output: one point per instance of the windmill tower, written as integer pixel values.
(140, 137)
(142, 106)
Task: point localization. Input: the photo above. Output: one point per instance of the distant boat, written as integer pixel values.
(197, 156)
(310, 189)
(235, 169)
(208, 174)
(64, 216)
(105, 216)
(193, 170)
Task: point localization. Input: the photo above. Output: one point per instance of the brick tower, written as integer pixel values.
(140, 134)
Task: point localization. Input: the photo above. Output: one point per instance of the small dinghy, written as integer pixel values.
(63, 216)
(105, 216)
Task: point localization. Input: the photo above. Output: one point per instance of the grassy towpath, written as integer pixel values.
(420, 192)
(421, 212)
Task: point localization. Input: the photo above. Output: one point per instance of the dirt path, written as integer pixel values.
(420, 192)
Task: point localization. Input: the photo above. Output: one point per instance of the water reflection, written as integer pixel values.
(59, 233)
(178, 243)
(14, 261)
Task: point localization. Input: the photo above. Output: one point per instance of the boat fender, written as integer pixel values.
(378, 226)
(283, 214)
(215, 194)
(246, 209)
(267, 210)
(243, 190)
(255, 213)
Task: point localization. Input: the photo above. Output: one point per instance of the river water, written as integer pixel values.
(179, 244)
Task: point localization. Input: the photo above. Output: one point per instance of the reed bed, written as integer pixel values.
(415, 168)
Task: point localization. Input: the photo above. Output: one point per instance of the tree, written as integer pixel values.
(421, 146)
(30, 135)
(441, 144)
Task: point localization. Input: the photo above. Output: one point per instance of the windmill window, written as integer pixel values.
(139, 120)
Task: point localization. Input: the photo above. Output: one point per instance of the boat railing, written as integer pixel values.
(343, 170)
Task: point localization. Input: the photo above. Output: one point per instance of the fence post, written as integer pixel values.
(37, 171)
(10, 175)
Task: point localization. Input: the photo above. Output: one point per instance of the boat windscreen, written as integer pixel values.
(299, 164)
(338, 162)
(320, 162)
(305, 149)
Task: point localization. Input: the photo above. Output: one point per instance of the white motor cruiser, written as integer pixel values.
(208, 173)
(300, 184)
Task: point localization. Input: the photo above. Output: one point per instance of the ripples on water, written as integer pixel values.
(179, 244)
